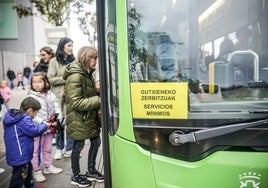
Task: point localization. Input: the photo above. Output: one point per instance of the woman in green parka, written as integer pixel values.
(82, 105)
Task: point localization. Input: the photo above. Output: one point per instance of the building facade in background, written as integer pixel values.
(22, 38)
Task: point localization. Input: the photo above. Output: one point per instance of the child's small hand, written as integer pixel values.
(54, 124)
(46, 123)
(52, 127)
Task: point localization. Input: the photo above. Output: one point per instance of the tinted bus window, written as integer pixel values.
(175, 83)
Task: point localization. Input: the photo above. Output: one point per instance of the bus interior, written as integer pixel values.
(219, 47)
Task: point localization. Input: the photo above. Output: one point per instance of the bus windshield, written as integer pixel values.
(218, 48)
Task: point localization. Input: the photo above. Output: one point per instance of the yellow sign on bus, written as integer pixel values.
(159, 100)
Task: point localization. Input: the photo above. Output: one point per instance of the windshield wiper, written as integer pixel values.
(259, 112)
(178, 137)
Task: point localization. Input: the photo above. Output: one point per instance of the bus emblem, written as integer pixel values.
(250, 179)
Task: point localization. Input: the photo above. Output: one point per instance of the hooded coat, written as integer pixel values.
(49, 105)
(82, 103)
(19, 133)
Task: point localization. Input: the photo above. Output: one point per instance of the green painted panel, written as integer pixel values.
(8, 21)
(221, 170)
(131, 165)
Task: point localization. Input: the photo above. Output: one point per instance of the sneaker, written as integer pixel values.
(2, 170)
(80, 180)
(67, 154)
(58, 155)
(54, 141)
(52, 170)
(95, 176)
(39, 177)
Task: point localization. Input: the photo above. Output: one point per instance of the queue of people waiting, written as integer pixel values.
(46, 109)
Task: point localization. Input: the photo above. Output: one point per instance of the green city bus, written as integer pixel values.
(184, 85)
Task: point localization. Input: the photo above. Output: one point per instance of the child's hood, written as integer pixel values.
(34, 93)
(13, 116)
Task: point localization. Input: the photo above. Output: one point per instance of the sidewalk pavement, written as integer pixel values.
(53, 180)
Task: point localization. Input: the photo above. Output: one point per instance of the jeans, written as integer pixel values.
(60, 142)
(92, 154)
(11, 84)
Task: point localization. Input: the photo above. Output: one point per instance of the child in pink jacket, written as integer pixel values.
(5, 92)
(20, 79)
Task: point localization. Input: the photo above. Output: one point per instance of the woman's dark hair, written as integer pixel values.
(30, 102)
(61, 55)
(45, 79)
(42, 66)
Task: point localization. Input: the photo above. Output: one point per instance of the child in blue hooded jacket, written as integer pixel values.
(19, 133)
